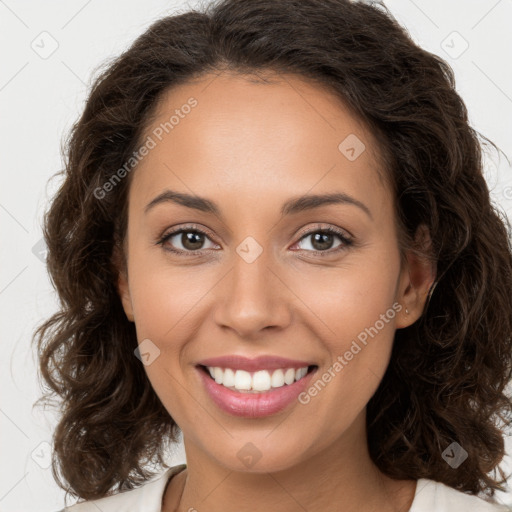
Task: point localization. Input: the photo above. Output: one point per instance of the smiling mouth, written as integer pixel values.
(256, 382)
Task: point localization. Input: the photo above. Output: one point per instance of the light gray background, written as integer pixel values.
(41, 95)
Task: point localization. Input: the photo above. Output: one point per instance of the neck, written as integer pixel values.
(341, 477)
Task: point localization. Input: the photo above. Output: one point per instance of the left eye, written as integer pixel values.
(322, 240)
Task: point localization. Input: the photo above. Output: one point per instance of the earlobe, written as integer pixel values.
(416, 279)
(123, 288)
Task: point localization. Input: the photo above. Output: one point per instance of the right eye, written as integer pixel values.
(190, 239)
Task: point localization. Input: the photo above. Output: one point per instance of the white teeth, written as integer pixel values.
(229, 378)
(242, 380)
(261, 380)
(289, 376)
(218, 375)
(277, 379)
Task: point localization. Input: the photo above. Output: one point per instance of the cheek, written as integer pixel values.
(167, 303)
(355, 313)
(164, 295)
(165, 300)
(348, 299)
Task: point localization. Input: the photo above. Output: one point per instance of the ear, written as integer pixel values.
(416, 279)
(123, 288)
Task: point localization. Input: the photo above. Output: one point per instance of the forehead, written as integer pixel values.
(262, 139)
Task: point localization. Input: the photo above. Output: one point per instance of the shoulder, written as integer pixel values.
(436, 496)
(146, 498)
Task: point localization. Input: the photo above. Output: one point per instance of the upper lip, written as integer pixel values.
(236, 362)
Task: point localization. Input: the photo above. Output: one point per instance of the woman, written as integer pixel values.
(274, 235)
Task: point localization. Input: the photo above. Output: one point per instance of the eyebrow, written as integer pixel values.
(292, 206)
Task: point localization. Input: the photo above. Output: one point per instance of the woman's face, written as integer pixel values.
(244, 162)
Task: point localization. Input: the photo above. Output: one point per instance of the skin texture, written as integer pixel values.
(250, 147)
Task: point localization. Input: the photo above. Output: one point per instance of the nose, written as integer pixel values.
(252, 297)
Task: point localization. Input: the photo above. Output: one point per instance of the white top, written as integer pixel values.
(430, 496)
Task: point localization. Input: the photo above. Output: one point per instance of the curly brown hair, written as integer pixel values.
(447, 377)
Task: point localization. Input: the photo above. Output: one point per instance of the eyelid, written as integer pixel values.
(324, 227)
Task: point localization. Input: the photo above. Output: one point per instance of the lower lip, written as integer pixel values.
(254, 405)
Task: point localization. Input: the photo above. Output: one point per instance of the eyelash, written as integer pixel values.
(346, 242)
